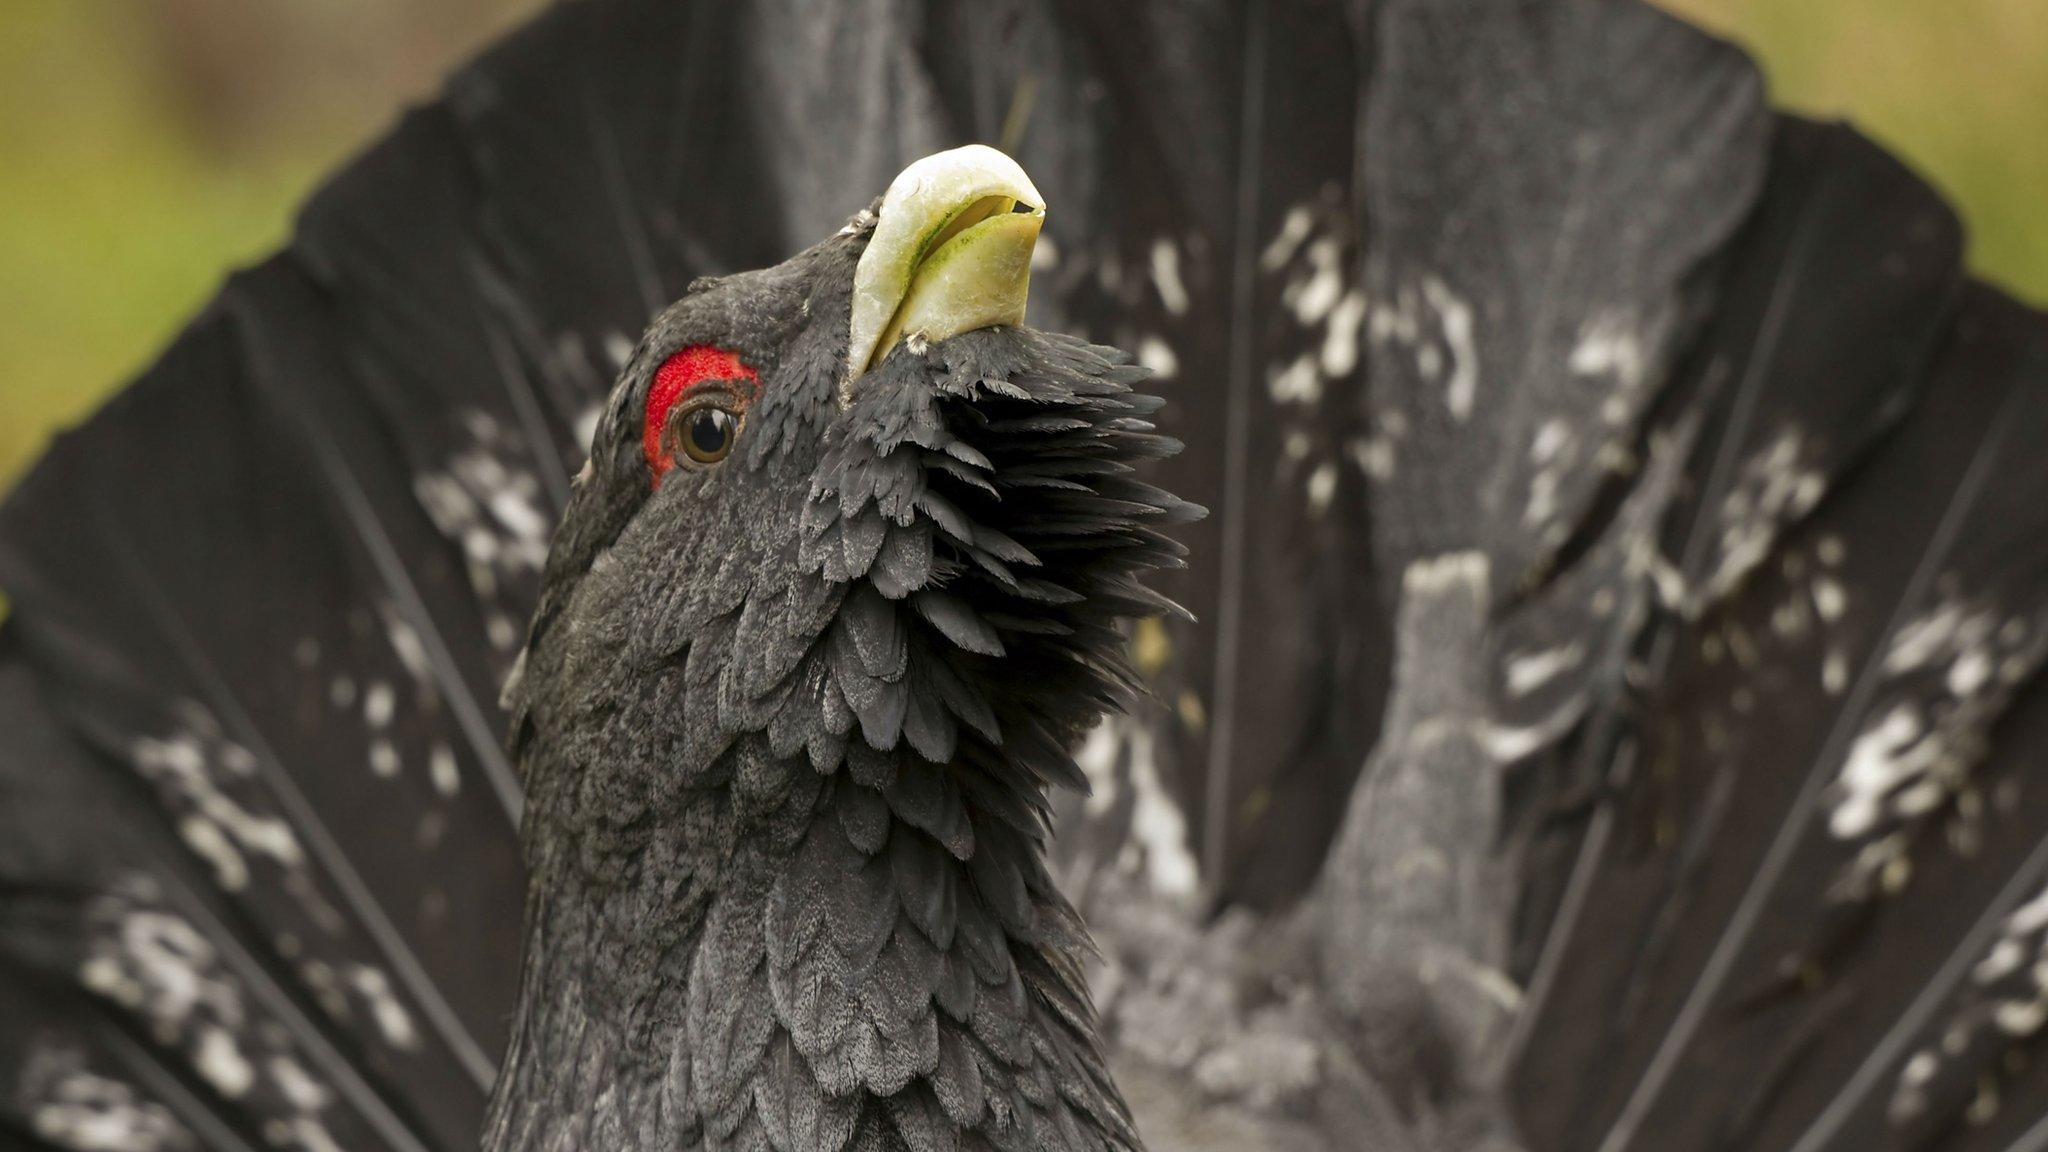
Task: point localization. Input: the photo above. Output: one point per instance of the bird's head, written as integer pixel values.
(847, 514)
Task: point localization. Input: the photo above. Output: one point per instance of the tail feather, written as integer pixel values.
(81, 1081)
(1921, 821)
(1777, 879)
(222, 677)
(149, 979)
(1811, 357)
(1742, 520)
(1542, 187)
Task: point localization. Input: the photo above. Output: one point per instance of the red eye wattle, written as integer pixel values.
(688, 371)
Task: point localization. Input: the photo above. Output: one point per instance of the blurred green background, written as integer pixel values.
(146, 146)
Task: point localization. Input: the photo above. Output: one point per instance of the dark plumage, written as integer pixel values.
(787, 723)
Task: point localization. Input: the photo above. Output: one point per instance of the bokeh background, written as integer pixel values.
(147, 146)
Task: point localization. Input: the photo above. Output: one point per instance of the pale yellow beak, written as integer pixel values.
(951, 253)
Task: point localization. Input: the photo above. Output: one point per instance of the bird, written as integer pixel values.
(836, 593)
(1603, 716)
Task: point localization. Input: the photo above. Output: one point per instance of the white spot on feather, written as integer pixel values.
(1157, 355)
(206, 839)
(219, 1060)
(1340, 341)
(311, 1136)
(1294, 228)
(1773, 487)
(1609, 345)
(1883, 756)
(305, 1093)
(442, 771)
(1829, 599)
(517, 512)
(1552, 438)
(1455, 315)
(1374, 456)
(1430, 362)
(488, 499)
(1322, 487)
(70, 1107)
(1969, 673)
(1920, 641)
(391, 1018)
(1297, 383)
(379, 703)
(1166, 277)
(180, 765)
(1311, 299)
(1157, 823)
(1834, 673)
(1526, 672)
(405, 642)
(502, 631)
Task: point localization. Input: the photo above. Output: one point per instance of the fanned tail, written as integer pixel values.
(1738, 462)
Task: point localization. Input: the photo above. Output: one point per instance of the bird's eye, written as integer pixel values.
(705, 432)
(696, 405)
